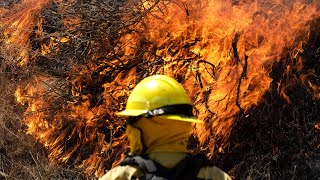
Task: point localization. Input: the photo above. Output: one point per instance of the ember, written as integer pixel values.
(252, 69)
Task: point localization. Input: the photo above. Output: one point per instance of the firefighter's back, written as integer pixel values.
(165, 166)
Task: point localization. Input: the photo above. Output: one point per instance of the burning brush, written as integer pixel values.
(250, 67)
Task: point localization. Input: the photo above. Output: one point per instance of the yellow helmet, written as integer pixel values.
(160, 95)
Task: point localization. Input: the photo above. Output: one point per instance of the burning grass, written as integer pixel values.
(251, 68)
(21, 156)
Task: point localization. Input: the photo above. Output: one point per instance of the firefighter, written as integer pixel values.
(159, 122)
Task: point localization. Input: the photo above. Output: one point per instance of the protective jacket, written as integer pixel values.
(168, 160)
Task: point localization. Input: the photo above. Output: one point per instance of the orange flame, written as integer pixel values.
(226, 52)
(18, 24)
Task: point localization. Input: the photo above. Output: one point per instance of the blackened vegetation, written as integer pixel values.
(8, 3)
(243, 73)
(279, 139)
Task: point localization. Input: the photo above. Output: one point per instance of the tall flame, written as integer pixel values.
(224, 52)
(221, 51)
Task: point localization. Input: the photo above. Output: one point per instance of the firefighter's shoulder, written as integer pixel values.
(122, 173)
(212, 172)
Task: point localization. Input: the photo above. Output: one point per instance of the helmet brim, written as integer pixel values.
(132, 112)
